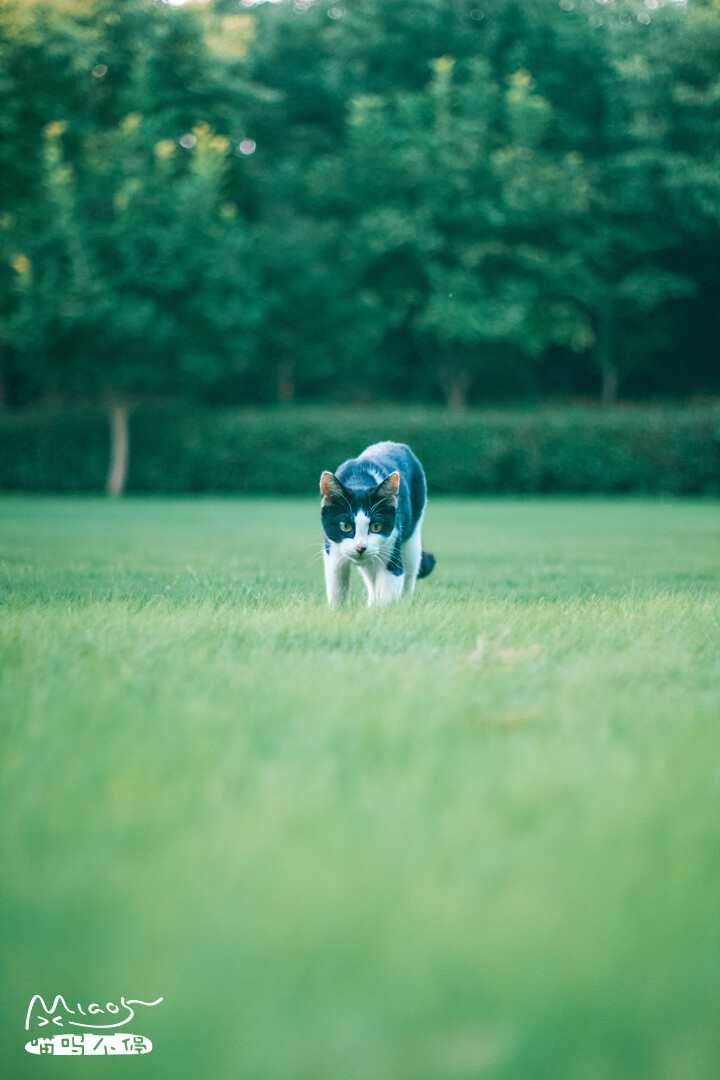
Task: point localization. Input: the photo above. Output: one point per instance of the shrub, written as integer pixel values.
(282, 450)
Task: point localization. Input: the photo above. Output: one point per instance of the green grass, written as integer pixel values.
(357, 845)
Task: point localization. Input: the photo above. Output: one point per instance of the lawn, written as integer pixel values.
(476, 837)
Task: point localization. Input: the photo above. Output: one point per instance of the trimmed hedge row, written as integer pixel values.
(283, 450)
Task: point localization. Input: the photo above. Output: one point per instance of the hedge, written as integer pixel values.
(282, 450)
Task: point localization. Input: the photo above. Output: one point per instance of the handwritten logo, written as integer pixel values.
(101, 1036)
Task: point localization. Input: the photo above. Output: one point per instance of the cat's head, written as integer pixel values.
(359, 521)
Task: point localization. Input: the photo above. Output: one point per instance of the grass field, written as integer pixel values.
(365, 845)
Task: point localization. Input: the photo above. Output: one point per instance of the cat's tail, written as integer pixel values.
(427, 562)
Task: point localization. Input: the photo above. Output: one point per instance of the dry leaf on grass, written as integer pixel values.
(510, 657)
(482, 654)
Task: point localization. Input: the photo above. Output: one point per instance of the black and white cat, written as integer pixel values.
(372, 510)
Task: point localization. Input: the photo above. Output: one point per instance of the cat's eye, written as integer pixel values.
(376, 526)
(346, 526)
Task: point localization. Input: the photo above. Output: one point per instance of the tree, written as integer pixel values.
(626, 242)
(632, 87)
(140, 275)
(461, 197)
(126, 261)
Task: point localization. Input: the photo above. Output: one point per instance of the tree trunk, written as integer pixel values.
(118, 414)
(606, 352)
(609, 386)
(456, 382)
(286, 381)
(456, 394)
(454, 378)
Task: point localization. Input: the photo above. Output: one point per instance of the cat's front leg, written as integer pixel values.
(411, 558)
(367, 573)
(337, 577)
(388, 587)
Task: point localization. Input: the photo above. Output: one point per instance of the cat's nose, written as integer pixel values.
(360, 548)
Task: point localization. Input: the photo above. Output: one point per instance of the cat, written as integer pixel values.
(372, 509)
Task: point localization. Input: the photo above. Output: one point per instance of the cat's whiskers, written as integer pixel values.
(392, 560)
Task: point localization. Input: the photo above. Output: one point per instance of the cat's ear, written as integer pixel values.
(331, 490)
(388, 489)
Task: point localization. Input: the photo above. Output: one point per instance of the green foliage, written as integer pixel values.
(672, 451)
(123, 262)
(472, 211)
(413, 200)
(515, 179)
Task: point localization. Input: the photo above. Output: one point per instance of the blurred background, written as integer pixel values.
(310, 208)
